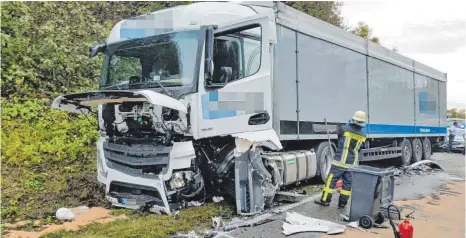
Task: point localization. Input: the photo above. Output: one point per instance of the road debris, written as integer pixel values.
(65, 214)
(258, 220)
(296, 223)
(194, 204)
(217, 222)
(289, 196)
(217, 199)
(421, 164)
(205, 234)
(191, 234)
(355, 225)
(418, 168)
(176, 214)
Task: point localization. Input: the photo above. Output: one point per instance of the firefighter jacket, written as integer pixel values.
(350, 138)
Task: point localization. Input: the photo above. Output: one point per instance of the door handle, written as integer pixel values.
(259, 119)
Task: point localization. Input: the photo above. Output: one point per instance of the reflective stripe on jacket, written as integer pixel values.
(350, 138)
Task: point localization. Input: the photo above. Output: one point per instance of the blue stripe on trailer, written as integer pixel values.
(402, 129)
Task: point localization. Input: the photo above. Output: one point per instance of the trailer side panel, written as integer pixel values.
(391, 100)
(332, 84)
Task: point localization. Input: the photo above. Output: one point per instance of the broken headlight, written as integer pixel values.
(177, 181)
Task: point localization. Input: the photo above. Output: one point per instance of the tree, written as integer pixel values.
(363, 30)
(457, 113)
(331, 13)
(45, 44)
(325, 11)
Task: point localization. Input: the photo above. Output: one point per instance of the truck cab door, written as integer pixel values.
(238, 96)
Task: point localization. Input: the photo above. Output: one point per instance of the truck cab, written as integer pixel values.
(179, 89)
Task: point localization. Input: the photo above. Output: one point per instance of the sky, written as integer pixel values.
(433, 33)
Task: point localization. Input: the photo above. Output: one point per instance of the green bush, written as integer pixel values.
(35, 133)
(45, 153)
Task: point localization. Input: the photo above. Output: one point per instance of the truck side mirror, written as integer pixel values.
(94, 50)
(209, 52)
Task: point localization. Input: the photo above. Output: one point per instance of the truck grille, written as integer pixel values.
(137, 194)
(136, 159)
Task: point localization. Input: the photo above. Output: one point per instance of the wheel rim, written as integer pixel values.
(418, 151)
(427, 147)
(407, 152)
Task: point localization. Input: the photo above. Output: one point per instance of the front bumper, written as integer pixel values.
(125, 188)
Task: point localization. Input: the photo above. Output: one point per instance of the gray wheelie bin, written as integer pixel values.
(372, 189)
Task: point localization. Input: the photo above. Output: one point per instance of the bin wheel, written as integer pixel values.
(366, 222)
(380, 218)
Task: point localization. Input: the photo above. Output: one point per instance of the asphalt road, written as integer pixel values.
(410, 187)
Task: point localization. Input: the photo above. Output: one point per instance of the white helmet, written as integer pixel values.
(359, 118)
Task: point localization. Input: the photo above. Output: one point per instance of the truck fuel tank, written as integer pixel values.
(294, 166)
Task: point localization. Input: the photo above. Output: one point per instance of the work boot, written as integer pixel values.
(322, 203)
(341, 205)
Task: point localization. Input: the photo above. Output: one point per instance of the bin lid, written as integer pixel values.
(371, 170)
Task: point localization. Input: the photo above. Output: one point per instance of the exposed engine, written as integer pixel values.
(140, 137)
(142, 120)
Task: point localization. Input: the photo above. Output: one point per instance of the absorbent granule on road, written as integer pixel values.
(436, 215)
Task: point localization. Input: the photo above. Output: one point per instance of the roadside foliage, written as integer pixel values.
(48, 156)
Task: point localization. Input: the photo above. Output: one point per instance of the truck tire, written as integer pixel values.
(324, 159)
(426, 148)
(417, 150)
(406, 152)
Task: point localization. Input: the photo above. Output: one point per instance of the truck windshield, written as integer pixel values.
(139, 63)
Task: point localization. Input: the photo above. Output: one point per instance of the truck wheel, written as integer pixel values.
(324, 159)
(417, 150)
(426, 148)
(406, 152)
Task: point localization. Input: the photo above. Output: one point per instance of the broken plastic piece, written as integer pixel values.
(429, 163)
(289, 197)
(65, 214)
(217, 222)
(355, 225)
(191, 234)
(217, 199)
(296, 223)
(194, 204)
(260, 219)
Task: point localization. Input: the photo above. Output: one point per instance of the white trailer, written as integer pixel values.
(244, 99)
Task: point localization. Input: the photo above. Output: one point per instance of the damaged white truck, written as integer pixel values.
(244, 99)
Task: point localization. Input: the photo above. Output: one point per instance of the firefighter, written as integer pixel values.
(350, 138)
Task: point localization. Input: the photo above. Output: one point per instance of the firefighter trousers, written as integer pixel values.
(337, 172)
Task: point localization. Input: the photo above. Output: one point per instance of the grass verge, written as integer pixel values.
(196, 218)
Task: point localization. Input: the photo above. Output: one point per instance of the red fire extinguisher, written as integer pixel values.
(405, 229)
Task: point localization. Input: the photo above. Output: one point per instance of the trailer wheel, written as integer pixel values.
(426, 148)
(417, 150)
(406, 152)
(324, 159)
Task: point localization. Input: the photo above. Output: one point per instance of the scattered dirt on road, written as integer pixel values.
(95, 214)
(436, 216)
